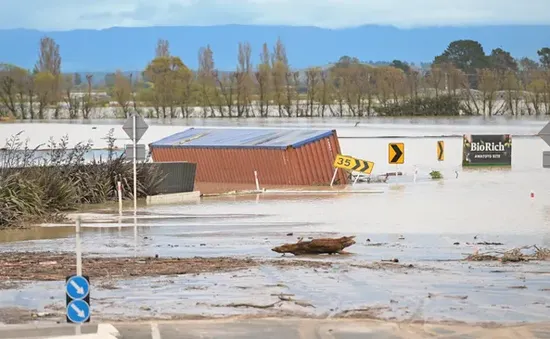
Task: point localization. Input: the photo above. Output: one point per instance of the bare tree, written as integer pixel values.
(313, 78)
(122, 92)
(207, 81)
(87, 100)
(244, 80)
(73, 103)
(263, 79)
(48, 72)
(163, 49)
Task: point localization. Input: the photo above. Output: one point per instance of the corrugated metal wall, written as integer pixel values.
(308, 165)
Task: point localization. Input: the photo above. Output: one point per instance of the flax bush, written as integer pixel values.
(35, 187)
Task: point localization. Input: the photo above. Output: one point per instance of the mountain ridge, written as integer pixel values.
(130, 48)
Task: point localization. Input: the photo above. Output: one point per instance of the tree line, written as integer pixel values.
(463, 80)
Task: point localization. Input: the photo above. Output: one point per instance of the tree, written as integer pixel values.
(77, 79)
(109, 79)
(163, 49)
(73, 103)
(244, 80)
(122, 92)
(48, 67)
(263, 79)
(207, 80)
(401, 65)
(527, 69)
(544, 57)
(502, 62)
(466, 55)
(87, 100)
(49, 59)
(280, 79)
(166, 75)
(8, 91)
(45, 86)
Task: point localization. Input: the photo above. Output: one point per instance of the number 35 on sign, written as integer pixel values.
(353, 164)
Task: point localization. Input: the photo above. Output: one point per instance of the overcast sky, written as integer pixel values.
(98, 14)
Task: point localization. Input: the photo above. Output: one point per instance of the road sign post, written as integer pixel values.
(135, 127)
(78, 248)
(77, 289)
(396, 155)
(351, 164)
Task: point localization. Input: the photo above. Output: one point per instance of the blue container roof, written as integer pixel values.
(241, 138)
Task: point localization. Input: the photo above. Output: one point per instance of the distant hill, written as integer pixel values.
(131, 48)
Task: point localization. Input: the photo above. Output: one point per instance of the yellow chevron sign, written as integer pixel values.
(440, 150)
(396, 153)
(352, 164)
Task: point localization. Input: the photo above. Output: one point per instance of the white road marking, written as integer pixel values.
(107, 329)
(155, 333)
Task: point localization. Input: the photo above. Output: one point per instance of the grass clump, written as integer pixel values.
(436, 175)
(37, 186)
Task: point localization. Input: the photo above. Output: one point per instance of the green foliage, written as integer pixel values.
(38, 188)
(466, 55)
(445, 105)
(544, 55)
(436, 175)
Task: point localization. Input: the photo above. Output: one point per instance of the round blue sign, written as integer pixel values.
(77, 287)
(78, 311)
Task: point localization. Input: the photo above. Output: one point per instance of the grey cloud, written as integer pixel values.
(97, 14)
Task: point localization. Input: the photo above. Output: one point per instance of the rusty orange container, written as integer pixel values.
(231, 155)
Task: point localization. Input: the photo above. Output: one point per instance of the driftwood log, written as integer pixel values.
(316, 246)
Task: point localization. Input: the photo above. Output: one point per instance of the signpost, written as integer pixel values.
(351, 164)
(135, 127)
(487, 150)
(77, 290)
(544, 134)
(78, 311)
(396, 153)
(129, 152)
(546, 159)
(440, 150)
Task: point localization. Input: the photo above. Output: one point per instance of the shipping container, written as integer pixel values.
(280, 156)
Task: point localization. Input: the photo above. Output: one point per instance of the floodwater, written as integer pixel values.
(417, 221)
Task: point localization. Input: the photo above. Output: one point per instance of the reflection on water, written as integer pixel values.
(35, 233)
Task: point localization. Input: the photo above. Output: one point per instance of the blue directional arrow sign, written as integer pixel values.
(78, 311)
(77, 287)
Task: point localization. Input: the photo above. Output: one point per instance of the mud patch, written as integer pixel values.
(49, 266)
(17, 315)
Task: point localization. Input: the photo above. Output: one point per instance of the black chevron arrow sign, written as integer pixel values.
(396, 153)
(363, 166)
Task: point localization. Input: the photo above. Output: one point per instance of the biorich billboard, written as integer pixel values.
(487, 150)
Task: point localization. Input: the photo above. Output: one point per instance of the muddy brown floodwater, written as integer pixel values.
(226, 266)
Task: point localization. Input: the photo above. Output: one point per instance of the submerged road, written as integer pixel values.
(274, 328)
(320, 329)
